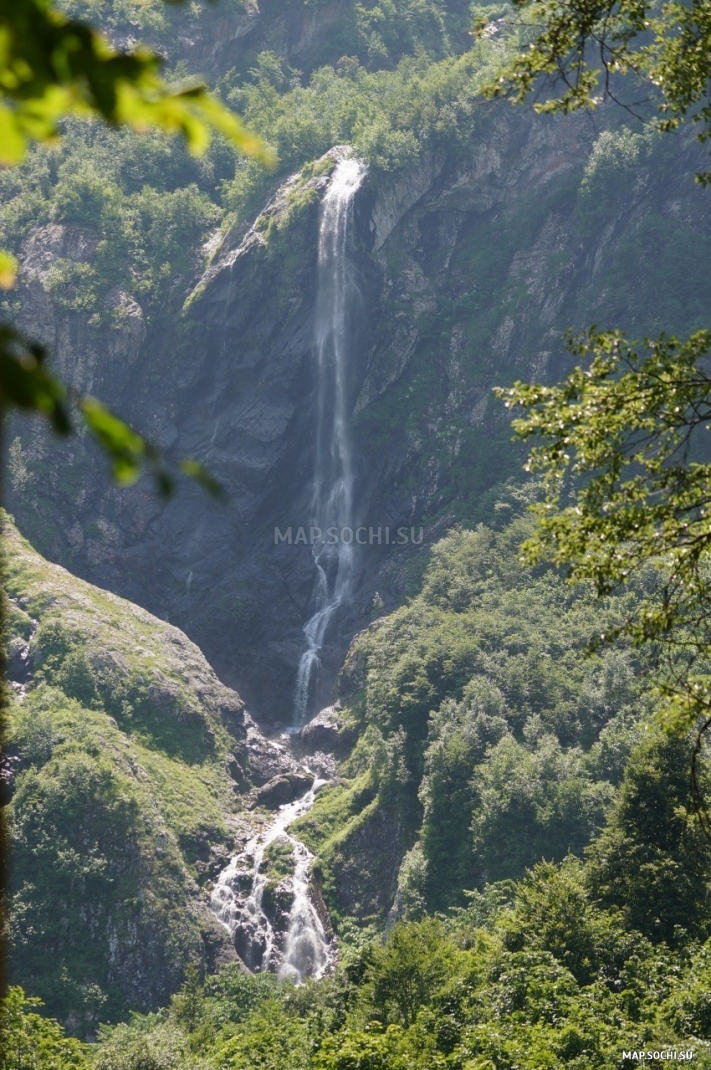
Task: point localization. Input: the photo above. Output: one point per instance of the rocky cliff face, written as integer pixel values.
(215, 40)
(470, 266)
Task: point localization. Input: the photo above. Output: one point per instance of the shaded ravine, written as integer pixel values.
(332, 494)
(299, 950)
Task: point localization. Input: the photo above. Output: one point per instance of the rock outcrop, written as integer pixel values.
(327, 731)
(215, 39)
(283, 789)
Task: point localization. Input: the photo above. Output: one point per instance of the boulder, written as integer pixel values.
(266, 758)
(19, 659)
(283, 789)
(324, 731)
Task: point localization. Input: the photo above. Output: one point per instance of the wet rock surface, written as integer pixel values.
(265, 899)
(326, 732)
(323, 765)
(268, 759)
(283, 789)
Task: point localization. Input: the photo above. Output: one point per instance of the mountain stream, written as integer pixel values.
(238, 902)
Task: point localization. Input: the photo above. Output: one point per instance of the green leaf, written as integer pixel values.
(52, 67)
(125, 449)
(200, 474)
(25, 381)
(574, 54)
(8, 270)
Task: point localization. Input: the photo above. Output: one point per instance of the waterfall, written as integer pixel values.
(306, 951)
(332, 498)
(237, 902)
(300, 949)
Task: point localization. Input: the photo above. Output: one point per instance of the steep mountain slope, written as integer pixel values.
(213, 40)
(486, 739)
(472, 746)
(131, 763)
(183, 293)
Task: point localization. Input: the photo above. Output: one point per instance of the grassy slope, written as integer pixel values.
(122, 803)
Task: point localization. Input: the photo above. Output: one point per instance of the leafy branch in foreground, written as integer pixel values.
(582, 51)
(25, 381)
(129, 453)
(626, 431)
(52, 67)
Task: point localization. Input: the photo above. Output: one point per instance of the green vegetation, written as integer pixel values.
(146, 210)
(539, 974)
(391, 117)
(486, 736)
(119, 182)
(628, 428)
(652, 59)
(147, 205)
(279, 859)
(122, 800)
(136, 191)
(152, 215)
(624, 465)
(150, 16)
(30, 1041)
(552, 894)
(512, 817)
(51, 68)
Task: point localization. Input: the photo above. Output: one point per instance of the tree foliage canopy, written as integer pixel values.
(627, 491)
(624, 461)
(648, 56)
(628, 486)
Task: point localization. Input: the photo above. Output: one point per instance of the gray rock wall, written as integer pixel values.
(470, 266)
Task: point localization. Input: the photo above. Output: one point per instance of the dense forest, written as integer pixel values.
(552, 901)
(482, 822)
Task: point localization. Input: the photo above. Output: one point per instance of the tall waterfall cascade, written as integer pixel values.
(301, 948)
(332, 497)
(237, 901)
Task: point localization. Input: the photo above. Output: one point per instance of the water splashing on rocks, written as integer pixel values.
(287, 935)
(298, 947)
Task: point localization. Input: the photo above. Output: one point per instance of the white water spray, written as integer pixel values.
(237, 902)
(332, 501)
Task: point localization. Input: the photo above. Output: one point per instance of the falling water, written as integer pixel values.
(306, 952)
(332, 501)
(237, 899)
